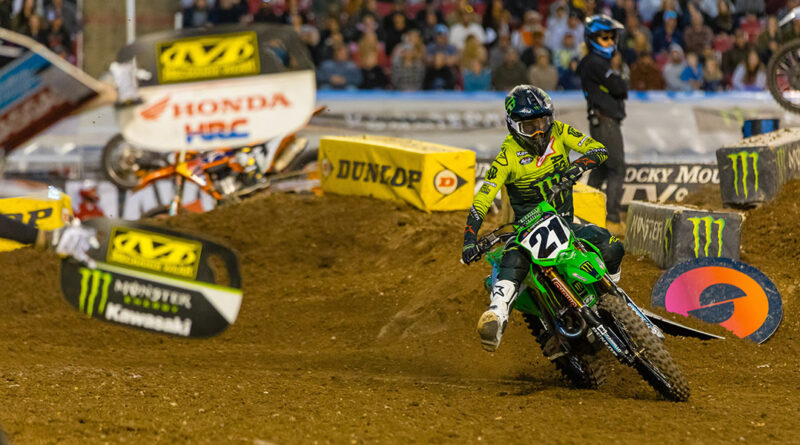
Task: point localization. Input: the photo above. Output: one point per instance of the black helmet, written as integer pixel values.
(594, 26)
(529, 116)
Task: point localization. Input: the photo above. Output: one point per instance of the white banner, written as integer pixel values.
(221, 113)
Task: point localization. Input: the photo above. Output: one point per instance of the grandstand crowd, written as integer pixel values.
(53, 23)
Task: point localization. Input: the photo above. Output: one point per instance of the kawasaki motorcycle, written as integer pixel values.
(575, 310)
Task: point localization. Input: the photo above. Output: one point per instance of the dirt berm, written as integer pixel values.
(358, 326)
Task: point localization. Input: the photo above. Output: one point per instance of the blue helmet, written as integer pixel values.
(594, 26)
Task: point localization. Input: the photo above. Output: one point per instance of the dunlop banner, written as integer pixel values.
(47, 211)
(425, 175)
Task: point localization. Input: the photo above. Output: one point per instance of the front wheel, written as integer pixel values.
(653, 361)
(783, 76)
(587, 371)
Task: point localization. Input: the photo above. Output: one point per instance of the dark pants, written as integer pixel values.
(516, 261)
(609, 133)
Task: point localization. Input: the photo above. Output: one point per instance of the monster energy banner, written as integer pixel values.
(665, 182)
(671, 234)
(156, 280)
(753, 171)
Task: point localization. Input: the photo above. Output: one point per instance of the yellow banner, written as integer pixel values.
(46, 214)
(426, 175)
(589, 204)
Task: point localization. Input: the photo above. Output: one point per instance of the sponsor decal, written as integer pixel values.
(665, 182)
(588, 268)
(492, 173)
(447, 182)
(549, 152)
(511, 102)
(522, 153)
(743, 157)
(722, 291)
(526, 160)
(154, 252)
(209, 131)
(485, 189)
(213, 107)
(208, 57)
(30, 218)
(327, 168)
(647, 229)
(378, 173)
(710, 224)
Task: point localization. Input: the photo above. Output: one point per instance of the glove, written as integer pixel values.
(75, 240)
(572, 174)
(469, 252)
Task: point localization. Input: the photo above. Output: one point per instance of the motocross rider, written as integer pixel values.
(533, 158)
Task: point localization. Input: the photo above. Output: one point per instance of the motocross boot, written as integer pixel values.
(493, 322)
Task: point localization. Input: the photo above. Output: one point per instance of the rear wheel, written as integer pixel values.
(654, 362)
(587, 371)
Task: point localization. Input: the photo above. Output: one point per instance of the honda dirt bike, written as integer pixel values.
(783, 69)
(575, 310)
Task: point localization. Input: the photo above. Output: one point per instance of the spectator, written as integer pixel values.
(368, 24)
(441, 45)
(339, 73)
(665, 37)
(769, 40)
(708, 8)
(477, 77)
(266, 14)
(399, 25)
(408, 71)
(645, 75)
(34, 29)
(724, 22)
(493, 19)
(735, 55)
(511, 73)
(229, 11)
(19, 22)
(623, 9)
(569, 79)
(67, 12)
(542, 74)
(498, 52)
(674, 68)
(398, 8)
(439, 76)
(697, 36)
(751, 26)
(792, 32)
(58, 37)
(308, 34)
(666, 6)
(5, 14)
(640, 45)
(369, 44)
(473, 50)
(634, 24)
(197, 15)
(648, 9)
(712, 76)
(574, 27)
(556, 23)
(523, 37)
(566, 51)
(692, 75)
(528, 56)
(750, 74)
(373, 76)
(429, 23)
(466, 25)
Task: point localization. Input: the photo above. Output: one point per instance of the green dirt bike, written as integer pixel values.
(575, 310)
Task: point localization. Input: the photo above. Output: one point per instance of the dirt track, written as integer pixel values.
(358, 327)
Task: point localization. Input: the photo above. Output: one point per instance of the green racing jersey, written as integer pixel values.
(528, 179)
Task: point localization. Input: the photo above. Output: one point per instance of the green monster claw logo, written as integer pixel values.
(708, 222)
(735, 158)
(511, 102)
(93, 278)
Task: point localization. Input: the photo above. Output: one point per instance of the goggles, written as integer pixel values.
(534, 127)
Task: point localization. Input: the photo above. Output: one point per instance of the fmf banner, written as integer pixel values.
(45, 209)
(427, 176)
(38, 88)
(219, 113)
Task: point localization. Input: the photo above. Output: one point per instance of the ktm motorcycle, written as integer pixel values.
(227, 175)
(575, 311)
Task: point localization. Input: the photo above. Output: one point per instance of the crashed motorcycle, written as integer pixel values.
(575, 311)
